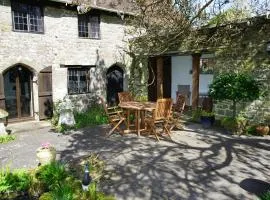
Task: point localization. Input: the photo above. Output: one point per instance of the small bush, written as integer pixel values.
(96, 166)
(51, 175)
(63, 192)
(196, 114)
(93, 116)
(265, 196)
(6, 138)
(235, 124)
(16, 181)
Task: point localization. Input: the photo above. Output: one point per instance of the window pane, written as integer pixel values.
(35, 19)
(94, 27)
(82, 26)
(20, 20)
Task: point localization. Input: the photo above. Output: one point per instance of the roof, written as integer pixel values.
(117, 6)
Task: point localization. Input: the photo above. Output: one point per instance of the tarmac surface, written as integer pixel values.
(196, 164)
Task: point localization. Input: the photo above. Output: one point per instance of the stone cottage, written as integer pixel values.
(48, 51)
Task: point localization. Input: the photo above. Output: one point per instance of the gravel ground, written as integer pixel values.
(196, 164)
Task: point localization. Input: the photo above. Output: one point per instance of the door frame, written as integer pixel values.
(18, 101)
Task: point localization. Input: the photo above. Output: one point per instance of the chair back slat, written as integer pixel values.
(180, 103)
(124, 97)
(163, 109)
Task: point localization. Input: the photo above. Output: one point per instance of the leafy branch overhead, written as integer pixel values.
(161, 26)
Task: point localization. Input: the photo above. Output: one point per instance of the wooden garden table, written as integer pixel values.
(139, 108)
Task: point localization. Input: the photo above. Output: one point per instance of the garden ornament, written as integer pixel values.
(66, 113)
(3, 114)
(86, 178)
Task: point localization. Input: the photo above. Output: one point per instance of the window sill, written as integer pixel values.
(89, 38)
(74, 94)
(21, 31)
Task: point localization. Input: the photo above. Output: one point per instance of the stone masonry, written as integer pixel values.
(60, 46)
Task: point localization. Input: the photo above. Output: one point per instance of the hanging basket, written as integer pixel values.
(46, 155)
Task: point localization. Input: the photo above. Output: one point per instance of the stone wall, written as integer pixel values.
(256, 111)
(60, 46)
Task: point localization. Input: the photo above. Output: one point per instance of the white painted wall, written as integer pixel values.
(181, 67)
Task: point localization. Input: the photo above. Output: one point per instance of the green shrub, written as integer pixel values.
(207, 114)
(251, 130)
(196, 114)
(93, 194)
(51, 175)
(63, 192)
(235, 88)
(265, 196)
(93, 116)
(6, 138)
(96, 166)
(46, 196)
(235, 124)
(18, 180)
(142, 98)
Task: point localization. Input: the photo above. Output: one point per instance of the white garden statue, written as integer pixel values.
(66, 113)
(3, 114)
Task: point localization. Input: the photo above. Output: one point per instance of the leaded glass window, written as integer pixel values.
(78, 80)
(27, 18)
(89, 26)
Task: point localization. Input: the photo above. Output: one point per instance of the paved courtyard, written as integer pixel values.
(197, 164)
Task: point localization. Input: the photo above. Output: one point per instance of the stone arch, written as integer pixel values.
(30, 64)
(114, 83)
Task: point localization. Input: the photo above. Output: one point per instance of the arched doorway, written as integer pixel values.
(18, 92)
(114, 84)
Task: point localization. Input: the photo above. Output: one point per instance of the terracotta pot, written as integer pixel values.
(46, 155)
(262, 129)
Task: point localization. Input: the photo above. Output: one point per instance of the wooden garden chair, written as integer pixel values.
(177, 111)
(115, 118)
(125, 96)
(161, 115)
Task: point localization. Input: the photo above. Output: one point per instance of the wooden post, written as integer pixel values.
(195, 80)
(160, 77)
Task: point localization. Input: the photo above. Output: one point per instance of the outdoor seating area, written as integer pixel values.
(145, 117)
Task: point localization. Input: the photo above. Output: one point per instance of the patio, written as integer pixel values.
(197, 164)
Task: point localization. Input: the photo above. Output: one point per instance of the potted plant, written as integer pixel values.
(207, 119)
(263, 128)
(46, 153)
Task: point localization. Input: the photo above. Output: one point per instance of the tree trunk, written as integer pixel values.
(234, 108)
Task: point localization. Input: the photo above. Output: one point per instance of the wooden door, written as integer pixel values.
(45, 93)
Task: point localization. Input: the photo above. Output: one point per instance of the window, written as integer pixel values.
(89, 26)
(78, 80)
(27, 18)
(207, 65)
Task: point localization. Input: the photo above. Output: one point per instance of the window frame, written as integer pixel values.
(86, 18)
(29, 5)
(78, 68)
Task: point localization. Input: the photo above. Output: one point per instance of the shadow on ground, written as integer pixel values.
(197, 164)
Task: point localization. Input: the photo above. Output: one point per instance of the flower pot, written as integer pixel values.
(207, 121)
(262, 129)
(46, 155)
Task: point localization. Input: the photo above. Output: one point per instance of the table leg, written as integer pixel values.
(128, 120)
(138, 122)
(142, 119)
